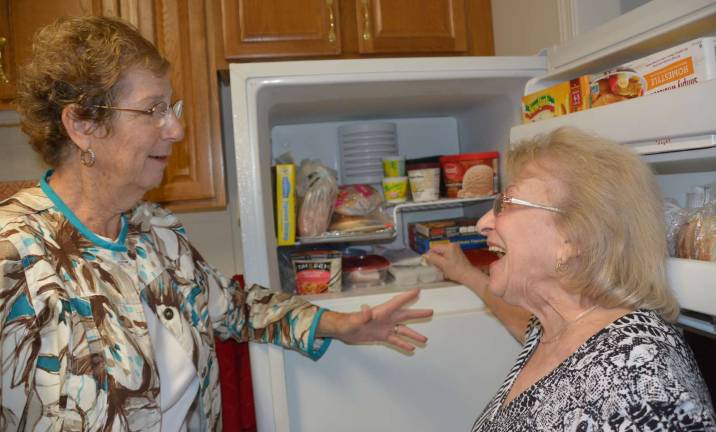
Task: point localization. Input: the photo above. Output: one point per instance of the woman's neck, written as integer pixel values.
(96, 204)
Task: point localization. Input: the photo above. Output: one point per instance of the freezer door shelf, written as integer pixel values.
(693, 283)
(665, 123)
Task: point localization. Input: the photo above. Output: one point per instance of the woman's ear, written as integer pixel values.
(81, 132)
(567, 250)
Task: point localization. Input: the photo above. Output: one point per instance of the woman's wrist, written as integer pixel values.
(331, 324)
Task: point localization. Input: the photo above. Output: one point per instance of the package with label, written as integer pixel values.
(286, 204)
(683, 65)
(463, 231)
(558, 100)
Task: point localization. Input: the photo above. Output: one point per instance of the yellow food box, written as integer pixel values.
(558, 100)
(286, 204)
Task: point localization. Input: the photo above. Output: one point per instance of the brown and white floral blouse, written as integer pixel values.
(75, 352)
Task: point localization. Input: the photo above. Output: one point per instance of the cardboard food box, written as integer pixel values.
(286, 204)
(683, 65)
(558, 100)
(423, 235)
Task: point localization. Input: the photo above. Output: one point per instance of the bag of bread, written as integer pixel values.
(316, 188)
(705, 237)
(357, 200)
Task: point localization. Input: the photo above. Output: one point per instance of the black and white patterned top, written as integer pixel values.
(636, 374)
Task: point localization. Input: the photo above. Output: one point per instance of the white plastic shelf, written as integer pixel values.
(693, 283)
(390, 234)
(653, 124)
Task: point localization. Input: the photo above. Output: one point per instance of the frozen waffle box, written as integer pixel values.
(683, 65)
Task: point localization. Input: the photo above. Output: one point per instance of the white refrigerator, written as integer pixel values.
(446, 106)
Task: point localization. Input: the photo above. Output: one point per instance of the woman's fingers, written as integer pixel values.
(409, 333)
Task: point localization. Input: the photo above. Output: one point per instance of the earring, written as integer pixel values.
(561, 266)
(87, 157)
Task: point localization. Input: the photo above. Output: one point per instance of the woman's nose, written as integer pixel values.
(174, 129)
(486, 223)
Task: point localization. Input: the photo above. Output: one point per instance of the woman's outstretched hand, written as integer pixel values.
(381, 323)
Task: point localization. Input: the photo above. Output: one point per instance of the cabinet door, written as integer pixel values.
(19, 20)
(194, 178)
(411, 26)
(280, 28)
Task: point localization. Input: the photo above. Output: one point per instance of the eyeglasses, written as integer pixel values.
(159, 111)
(500, 200)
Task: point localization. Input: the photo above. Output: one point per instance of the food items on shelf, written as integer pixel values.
(394, 166)
(560, 99)
(317, 189)
(424, 235)
(285, 204)
(364, 271)
(357, 200)
(424, 181)
(395, 189)
(317, 271)
(481, 181)
(683, 65)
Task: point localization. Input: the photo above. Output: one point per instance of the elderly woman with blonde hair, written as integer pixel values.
(581, 282)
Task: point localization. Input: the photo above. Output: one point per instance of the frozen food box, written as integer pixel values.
(558, 100)
(683, 65)
(285, 204)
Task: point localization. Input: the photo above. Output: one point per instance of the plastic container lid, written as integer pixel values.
(423, 165)
(469, 156)
(364, 262)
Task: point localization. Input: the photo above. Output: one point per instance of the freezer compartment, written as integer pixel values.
(439, 105)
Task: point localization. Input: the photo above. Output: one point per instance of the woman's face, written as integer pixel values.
(528, 237)
(132, 158)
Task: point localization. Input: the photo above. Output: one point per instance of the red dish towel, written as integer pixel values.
(237, 395)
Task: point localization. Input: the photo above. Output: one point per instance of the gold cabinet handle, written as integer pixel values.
(3, 77)
(331, 22)
(366, 20)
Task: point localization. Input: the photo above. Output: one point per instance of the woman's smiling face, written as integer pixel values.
(528, 237)
(134, 155)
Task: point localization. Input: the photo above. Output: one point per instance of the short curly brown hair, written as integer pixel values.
(78, 60)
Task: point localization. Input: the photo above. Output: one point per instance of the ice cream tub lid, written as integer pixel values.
(364, 262)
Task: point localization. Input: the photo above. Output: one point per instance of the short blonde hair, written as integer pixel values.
(80, 61)
(613, 214)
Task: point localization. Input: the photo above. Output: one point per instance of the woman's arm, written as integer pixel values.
(451, 260)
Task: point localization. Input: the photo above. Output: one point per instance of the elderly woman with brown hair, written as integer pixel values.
(107, 312)
(582, 247)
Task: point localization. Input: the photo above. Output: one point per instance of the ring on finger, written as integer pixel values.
(396, 328)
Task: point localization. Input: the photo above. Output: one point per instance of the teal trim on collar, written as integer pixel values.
(118, 246)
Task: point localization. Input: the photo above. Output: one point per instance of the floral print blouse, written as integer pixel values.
(75, 352)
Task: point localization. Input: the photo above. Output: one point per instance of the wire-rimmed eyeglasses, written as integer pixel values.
(501, 199)
(159, 111)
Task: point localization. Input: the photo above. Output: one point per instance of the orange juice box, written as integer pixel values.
(286, 204)
(683, 65)
(558, 100)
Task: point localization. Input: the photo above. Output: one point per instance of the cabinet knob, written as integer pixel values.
(331, 22)
(3, 77)
(366, 20)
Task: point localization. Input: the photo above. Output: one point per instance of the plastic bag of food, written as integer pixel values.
(675, 218)
(705, 236)
(357, 200)
(316, 188)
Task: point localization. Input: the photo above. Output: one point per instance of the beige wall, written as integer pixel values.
(212, 233)
(524, 27)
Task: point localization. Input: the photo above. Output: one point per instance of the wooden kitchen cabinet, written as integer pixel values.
(280, 28)
(19, 20)
(194, 178)
(411, 26)
(260, 29)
